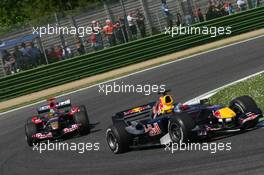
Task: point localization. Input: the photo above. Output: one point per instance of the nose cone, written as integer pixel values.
(225, 113)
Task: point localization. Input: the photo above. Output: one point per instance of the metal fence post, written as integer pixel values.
(146, 14)
(61, 36)
(189, 4)
(249, 3)
(106, 8)
(186, 6)
(157, 16)
(125, 18)
(42, 49)
(74, 23)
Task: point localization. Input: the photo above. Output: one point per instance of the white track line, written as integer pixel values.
(134, 73)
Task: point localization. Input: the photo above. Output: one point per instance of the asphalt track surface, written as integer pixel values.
(188, 79)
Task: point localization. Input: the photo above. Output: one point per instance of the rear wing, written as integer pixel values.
(59, 105)
(135, 114)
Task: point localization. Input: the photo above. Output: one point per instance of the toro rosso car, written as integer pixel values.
(55, 121)
(164, 122)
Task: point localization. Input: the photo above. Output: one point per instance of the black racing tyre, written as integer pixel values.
(118, 139)
(81, 118)
(29, 120)
(30, 129)
(244, 104)
(180, 127)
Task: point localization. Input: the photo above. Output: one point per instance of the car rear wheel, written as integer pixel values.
(81, 118)
(180, 127)
(30, 130)
(29, 120)
(117, 138)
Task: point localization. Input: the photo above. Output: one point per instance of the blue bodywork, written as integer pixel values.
(145, 129)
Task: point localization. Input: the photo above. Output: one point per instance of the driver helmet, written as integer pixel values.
(52, 107)
(166, 104)
(51, 113)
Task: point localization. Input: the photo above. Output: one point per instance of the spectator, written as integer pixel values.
(188, 19)
(96, 37)
(119, 33)
(209, 13)
(5, 55)
(140, 19)
(18, 57)
(199, 15)
(13, 64)
(132, 25)
(109, 32)
(7, 67)
(26, 57)
(92, 40)
(47, 52)
(35, 55)
(241, 5)
(179, 19)
(9, 63)
(213, 12)
(221, 9)
(168, 15)
(51, 55)
(58, 53)
(229, 8)
(66, 52)
(121, 21)
(80, 48)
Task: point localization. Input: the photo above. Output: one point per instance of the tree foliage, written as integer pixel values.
(20, 12)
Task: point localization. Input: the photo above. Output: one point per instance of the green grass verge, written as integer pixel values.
(253, 87)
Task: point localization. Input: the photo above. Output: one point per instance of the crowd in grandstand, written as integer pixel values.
(22, 58)
(104, 35)
(58, 53)
(111, 33)
(215, 9)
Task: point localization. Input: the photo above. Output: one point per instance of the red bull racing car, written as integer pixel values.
(55, 121)
(164, 122)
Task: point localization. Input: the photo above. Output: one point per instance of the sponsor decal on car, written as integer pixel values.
(73, 128)
(137, 110)
(42, 136)
(153, 130)
(250, 116)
